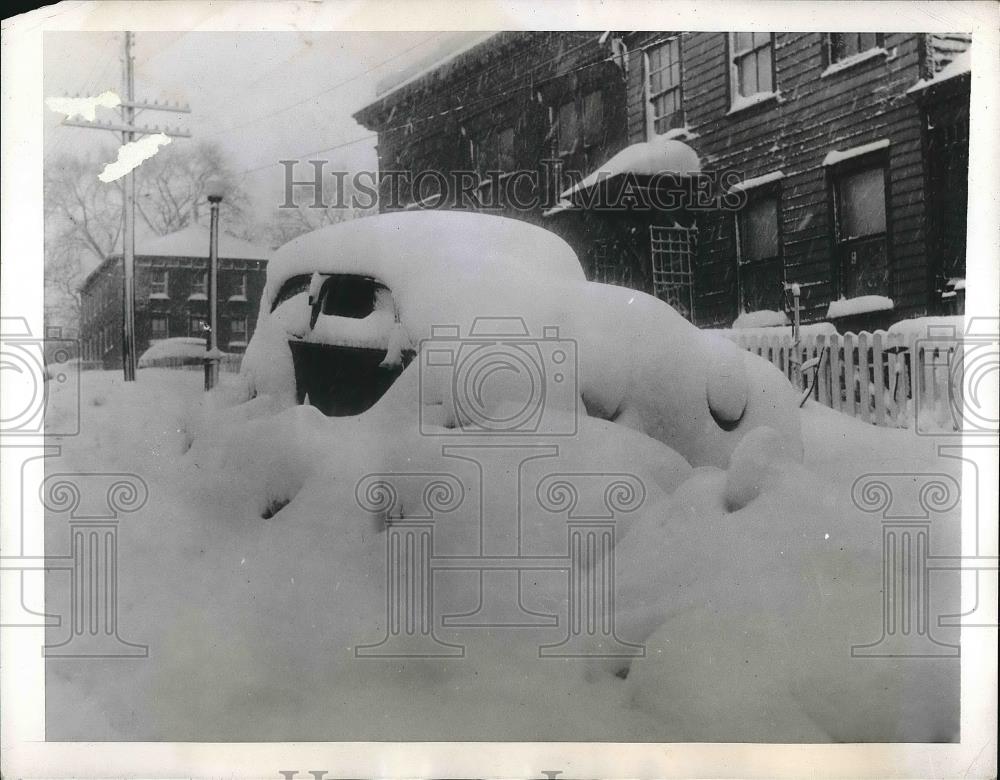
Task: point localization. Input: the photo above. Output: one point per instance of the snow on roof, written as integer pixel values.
(647, 158)
(959, 66)
(440, 62)
(404, 249)
(193, 240)
(758, 181)
(860, 305)
(837, 155)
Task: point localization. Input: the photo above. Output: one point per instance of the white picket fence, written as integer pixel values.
(881, 378)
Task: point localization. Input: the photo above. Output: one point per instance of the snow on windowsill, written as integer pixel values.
(197, 297)
(758, 181)
(237, 299)
(854, 59)
(838, 156)
(845, 307)
(743, 102)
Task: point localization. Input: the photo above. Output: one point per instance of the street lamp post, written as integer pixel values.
(214, 192)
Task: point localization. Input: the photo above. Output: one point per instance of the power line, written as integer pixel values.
(325, 91)
(436, 115)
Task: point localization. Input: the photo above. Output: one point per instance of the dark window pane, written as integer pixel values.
(759, 230)
(593, 117)
(747, 69)
(862, 204)
(764, 70)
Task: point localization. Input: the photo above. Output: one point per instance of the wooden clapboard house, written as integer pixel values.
(837, 161)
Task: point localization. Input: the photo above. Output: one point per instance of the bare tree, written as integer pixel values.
(83, 216)
(171, 189)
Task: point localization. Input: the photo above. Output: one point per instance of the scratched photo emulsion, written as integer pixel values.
(505, 386)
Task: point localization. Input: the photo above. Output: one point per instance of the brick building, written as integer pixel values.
(846, 155)
(171, 294)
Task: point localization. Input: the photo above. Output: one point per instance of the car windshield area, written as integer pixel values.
(345, 295)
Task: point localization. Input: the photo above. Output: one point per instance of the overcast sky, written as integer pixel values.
(262, 96)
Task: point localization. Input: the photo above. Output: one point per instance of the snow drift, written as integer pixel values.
(638, 362)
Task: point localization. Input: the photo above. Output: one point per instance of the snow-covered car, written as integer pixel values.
(509, 337)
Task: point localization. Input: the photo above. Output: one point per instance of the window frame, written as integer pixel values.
(834, 174)
(650, 97)
(152, 330)
(199, 288)
(830, 46)
(771, 191)
(240, 289)
(578, 100)
(154, 283)
(733, 58)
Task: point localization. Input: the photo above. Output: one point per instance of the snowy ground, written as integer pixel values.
(747, 604)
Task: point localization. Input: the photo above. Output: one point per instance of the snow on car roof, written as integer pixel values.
(404, 248)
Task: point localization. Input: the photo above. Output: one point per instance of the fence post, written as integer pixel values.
(849, 397)
(864, 384)
(836, 397)
(878, 378)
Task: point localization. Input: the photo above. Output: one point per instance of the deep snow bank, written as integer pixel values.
(253, 573)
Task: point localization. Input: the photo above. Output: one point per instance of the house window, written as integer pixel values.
(664, 109)
(859, 197)
(159, 280)
(758, 224)
(199, 285)
(752, 63)
(581, 119)
(760, 271)
(239, 289)
(158, 328)
(238, 331)
(197, 327)
(844, 45)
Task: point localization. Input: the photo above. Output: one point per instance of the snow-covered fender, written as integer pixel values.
(645, 366)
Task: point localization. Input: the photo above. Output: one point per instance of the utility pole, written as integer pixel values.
(128, 219)
(129, 131)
